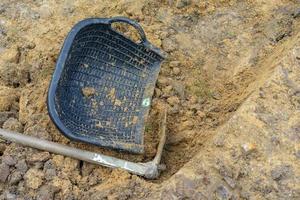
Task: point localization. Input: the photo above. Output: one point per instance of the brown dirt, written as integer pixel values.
(88, 91)
(219, 54)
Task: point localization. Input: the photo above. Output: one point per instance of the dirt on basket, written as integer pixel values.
(229, 136)
(88, 91)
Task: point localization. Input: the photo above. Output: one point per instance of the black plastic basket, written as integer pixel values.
(103, 83)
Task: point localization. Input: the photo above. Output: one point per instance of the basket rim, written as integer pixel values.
(130, 147)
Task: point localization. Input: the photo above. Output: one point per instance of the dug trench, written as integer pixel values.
(218, 55)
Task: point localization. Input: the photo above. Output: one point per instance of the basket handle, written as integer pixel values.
(132, 23)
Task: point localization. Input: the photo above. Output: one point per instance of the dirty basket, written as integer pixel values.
(102, 86)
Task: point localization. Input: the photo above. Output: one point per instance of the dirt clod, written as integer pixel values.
(174, 64)
(173, 100)
(222, 193)
(5, 115)
(186, 125)
(10, 161)
(11, 55)
(38, 157)
(33, 178)
(46, 192)
(169, 45)
(176, 71)
(182, 3)
(22, 166)
(4, 172)
(13, 124)
(7, 101)
(2, 148)
(280, 172)
(88, 91)
(15, 178)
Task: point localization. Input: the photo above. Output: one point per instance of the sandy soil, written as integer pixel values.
(220, 56)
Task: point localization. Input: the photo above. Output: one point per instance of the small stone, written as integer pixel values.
(193, 100)
(194, 107)
(5, 115)
(15, 178)
(38, 165)
(38, 157)
(167, 91)
(13, 124)
(176, 71)
(245, 194)
(68, 8)
(49, 170)
(4, 172)
(22, 166)
(214, 109)
(3, 8)
(45, 11)
(70, 164)
(10, 161)
(297, 154)
(296, 13)
(38, 131)
(157, 92)
(11, 55)
(29, 45)
(182, 3)
(162, 82)
(174, 110)
(7, 98)
(189, 113)
(93, 179)
(49, 165)
(15, 75)
(186, 125)
(219, 141)
(2, 147)
(87, 168)
(179, 89)
(10, 196)
(173, 100)
(181, 137)
(280, 172)
(58, 161)
(46, 192)
(174, 64)
(262, 94)
(2, 33)
(248, 148)
(34, 15)
(169, 193)
(201, 114)
(33, 178)
(185, 187)
(169, 45)
(49, 174)
(222, 193)
(231, 182)
(216, 95)
(275, 140)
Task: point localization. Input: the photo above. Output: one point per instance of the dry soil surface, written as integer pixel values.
(230, 82)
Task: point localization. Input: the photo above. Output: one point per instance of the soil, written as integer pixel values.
(88, 91)
(230, 82)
